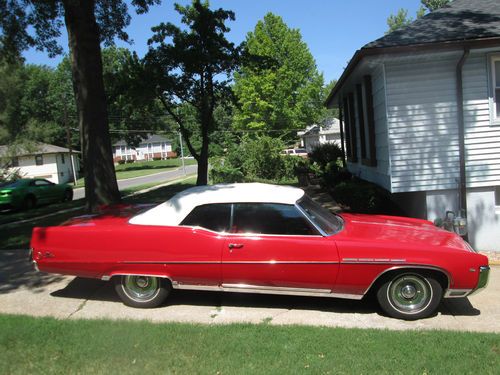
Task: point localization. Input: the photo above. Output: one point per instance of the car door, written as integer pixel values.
(43, 190)
(274, 248)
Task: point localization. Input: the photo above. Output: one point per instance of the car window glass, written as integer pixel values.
(324, 219)
(42, 183)
(270, 218)
(210, 216)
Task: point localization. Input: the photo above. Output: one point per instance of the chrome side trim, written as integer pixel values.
(371, 260)
(235, 262)
(456, 293)
(108, 277)
(257, 289)
(410, 266)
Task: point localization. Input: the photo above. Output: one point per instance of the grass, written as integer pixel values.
(46, 345)
(18, 236)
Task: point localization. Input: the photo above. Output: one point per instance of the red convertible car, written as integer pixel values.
(259, 238)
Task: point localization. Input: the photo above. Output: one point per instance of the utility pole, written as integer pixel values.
(182, 153)
(68, 140)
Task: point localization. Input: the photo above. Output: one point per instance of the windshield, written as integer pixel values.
(324, 219)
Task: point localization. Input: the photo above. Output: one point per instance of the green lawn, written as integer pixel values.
(18, 236)
(45, 345)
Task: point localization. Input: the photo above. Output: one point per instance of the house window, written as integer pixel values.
(495, 85)
(14, 162)
(62, 159)
(39, 159)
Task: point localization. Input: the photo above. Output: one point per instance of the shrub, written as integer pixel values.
(121, 161)
(130, 161)
(223, 172)
(325, 154)
(364, 197)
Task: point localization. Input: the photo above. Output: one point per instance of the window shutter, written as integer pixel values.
(370, 117)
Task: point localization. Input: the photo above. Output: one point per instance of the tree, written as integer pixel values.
(28, 23)
(193, 71)
(284, 94)
(399, 20)
(432, 5)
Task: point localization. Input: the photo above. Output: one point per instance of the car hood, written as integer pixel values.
(408, 231)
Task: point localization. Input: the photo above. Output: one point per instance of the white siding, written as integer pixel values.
(48, 170)
(380, 173)
(422, 123)
(482, 138)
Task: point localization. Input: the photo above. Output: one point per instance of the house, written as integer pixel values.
(51, 162)
(420, 116)
(315, 135)
(153, 147)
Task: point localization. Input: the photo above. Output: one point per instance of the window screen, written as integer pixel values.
(267, 218)
(210, 216)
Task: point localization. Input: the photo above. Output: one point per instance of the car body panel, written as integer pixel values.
(346, 263)
(15, 196)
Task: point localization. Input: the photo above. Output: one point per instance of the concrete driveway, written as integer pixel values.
(24, 291)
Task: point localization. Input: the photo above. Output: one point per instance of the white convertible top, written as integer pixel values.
(173, 211)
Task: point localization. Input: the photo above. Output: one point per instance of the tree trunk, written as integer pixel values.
(86, 65)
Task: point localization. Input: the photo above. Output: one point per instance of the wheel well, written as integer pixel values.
(113, 276)
(440, 276)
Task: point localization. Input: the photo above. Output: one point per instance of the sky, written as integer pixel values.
(332, 29)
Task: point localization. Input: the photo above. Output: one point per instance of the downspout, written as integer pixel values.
(461, 135)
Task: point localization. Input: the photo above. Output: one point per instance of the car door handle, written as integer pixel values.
(235, 245)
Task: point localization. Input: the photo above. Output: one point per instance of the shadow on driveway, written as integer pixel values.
(16, 272)
(97, 290)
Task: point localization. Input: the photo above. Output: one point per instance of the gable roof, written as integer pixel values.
(461, 20)
(151, 138)
(459, 24)
(40, 148)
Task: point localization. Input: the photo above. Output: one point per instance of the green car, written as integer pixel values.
(28, 192)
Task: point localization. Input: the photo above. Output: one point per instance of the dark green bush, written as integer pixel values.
(121, 161)
(364, 197)
(325, 154)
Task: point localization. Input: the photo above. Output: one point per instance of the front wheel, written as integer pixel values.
(142, 291)
(409, 296)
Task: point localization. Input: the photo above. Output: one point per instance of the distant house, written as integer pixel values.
(153, 147)
(315, 135)
(420, 116)
(45, 161)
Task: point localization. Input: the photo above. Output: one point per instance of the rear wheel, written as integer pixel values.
(68, 195)
(410, 296)
(142, 291)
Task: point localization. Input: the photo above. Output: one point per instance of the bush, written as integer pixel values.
(325, 154)
(130, 161)
(121, 161)
(221, 172)
(364, 197)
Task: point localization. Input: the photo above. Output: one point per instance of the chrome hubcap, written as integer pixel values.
(141, 288)
(409, 294)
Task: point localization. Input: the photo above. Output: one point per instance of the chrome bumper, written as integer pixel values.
(484, 273)
(484, 276)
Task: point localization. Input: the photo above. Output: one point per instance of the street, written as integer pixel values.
(157, 177)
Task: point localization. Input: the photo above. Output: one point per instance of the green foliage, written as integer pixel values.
(325, 153)
(360, 196)
(398, 20)
(432, 5)
(286, 93)
(25, 24)
(193, 65)
(253, 159)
